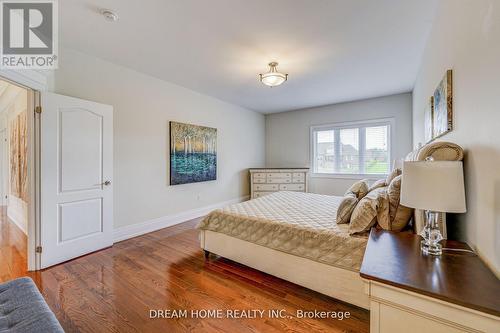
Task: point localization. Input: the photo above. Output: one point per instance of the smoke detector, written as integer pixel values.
(109, 15)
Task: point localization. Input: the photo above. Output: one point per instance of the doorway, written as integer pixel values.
(66, 175)
(15, 183)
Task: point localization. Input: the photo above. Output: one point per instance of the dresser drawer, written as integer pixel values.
(292, 187)
(260, 194)
(259, 175)
(259, 180)
(266, 187)
(279, 180)
(298, 178)
(273, 175)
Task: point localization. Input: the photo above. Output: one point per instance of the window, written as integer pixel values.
(361, 148)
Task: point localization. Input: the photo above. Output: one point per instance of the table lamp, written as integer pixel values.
(434, 186)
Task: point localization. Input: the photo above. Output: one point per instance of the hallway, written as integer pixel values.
(12, 249)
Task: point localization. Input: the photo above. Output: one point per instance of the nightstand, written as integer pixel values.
(412, 292)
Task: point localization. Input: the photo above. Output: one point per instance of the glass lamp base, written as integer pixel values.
(431, 236)
(434, 249)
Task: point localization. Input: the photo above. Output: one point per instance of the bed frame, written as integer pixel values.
(343, 284)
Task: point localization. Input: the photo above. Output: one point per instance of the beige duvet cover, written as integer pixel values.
(297, 223)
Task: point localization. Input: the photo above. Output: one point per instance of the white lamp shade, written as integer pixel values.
(433, 185)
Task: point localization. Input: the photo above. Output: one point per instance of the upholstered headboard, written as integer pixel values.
(439, 151)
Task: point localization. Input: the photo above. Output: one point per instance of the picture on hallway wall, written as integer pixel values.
(193, 153)
(23, 156)
(443, 106)
(15, 189)
(18, 146)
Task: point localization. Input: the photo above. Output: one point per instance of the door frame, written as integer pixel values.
(36, 82)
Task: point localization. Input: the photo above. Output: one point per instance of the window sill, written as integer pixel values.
(348, 176)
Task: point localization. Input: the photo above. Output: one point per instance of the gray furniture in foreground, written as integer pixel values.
(23, 309)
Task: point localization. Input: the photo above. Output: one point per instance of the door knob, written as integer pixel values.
(107, 183)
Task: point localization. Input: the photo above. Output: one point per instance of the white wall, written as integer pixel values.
(14, 101)
(466, 38)
(143, 106)
(288, 133)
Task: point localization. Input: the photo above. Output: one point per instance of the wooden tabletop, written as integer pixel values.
(456, 277)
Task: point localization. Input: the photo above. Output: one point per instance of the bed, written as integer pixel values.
(294, 236)
(291, 235)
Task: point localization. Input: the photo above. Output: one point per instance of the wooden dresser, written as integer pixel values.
(412, 293)
(269, 180)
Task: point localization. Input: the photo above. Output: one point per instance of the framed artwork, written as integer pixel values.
(428, 120)
(443, 106)
(193, 153)
(23, 156)
(15, 189)
(18, 147)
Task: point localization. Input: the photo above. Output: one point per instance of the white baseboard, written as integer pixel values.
(18, 223)
(134, 230)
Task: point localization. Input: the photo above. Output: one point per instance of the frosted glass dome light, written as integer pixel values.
(273, 78)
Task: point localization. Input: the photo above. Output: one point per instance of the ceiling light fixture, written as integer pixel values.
(109, 15)
(273, 78)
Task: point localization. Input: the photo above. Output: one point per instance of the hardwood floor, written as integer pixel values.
(114, 289)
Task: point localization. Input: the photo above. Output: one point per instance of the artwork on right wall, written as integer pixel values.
(443, 106)
(429, 121)
(438, 113)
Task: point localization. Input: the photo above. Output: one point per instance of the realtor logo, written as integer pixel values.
(29, 34)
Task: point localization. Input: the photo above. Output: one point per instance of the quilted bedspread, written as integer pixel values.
(297, 223)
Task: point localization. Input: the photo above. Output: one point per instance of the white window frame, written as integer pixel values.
(351, 124)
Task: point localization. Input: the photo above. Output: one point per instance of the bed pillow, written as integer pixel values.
(399, 215)
(377, 184)
(402, 218)
(364, 215)
(346, 208)
(393, 174)
(383, 217)
(359, 189)
(393, 192)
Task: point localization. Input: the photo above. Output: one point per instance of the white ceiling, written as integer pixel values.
(333, 50)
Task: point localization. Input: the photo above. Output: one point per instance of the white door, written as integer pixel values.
(76, 171)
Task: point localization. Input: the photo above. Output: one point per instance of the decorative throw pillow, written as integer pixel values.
(377, 184)
(359, 189)
(393, 174)
(346, 207)
(364, 215)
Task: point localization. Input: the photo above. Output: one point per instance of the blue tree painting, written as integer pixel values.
(193, 153)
